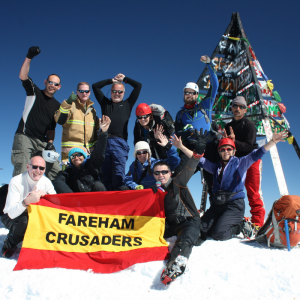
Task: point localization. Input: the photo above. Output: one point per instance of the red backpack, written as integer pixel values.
(273, 231)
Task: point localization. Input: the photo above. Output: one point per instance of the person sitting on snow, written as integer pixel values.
(140, 175)
(83, 173)
(225, 217)
(24, 189)
(182, 216)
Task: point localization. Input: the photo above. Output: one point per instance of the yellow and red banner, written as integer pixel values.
(102, 231)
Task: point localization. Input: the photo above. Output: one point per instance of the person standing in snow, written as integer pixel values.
(197, 115)
(36, 129)
(118, 110)
(243, 132)
(225, 217)
(23, 190)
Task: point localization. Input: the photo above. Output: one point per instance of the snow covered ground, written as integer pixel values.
(235, 269)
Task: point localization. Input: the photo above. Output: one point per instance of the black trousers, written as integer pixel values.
(16, 227)
(188, 235)
(221, 223)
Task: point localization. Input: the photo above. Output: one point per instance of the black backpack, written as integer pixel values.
(3, 195)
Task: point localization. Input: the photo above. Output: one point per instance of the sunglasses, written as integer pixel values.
(226, 149)
(141, 152)
(164, 172)
(38, 167)
(190, 93)
(84, 91)
(143, 117)
(240, 106)
(76, 155)
(115, 92)
(54, 83)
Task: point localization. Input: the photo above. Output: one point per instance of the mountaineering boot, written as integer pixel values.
(249, 230)
(7, 249)
(173, 270)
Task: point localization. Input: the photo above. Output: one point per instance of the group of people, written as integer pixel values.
(94, 152)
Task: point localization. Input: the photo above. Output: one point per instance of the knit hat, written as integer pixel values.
(77, 150)
(240, 100)
(140, 146)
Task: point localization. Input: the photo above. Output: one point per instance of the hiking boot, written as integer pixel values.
(249, 229)
(7, 250)
(174, 270)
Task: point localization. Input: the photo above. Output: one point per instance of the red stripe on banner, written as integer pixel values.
(112, 203)
(99, 262)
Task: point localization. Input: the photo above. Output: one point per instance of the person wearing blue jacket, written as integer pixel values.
(140, 175)
(225, 217)
(198, 115)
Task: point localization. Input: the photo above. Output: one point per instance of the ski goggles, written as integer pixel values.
(143, 117)
(76, 155)
(54, 83)
(38, 167)
(117, 92)
(189, 93)
(240, 106)
(84, 91)
(164, 172)
(226, 149)
(141, 152)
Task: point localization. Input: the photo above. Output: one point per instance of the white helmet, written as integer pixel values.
(50, 156)
(192, 86)
(140, 146)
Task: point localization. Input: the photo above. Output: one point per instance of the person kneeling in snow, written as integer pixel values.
(140, 175)
(83, 173)
(24, 189)
(225, 217)
(182, 217)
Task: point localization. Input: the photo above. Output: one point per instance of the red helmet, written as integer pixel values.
(143, 109)
(226, 141)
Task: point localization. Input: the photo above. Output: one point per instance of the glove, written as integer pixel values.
(139, 187)
(154, 188)
(199, 140)
(124, 188)
(33, 51)
(50, 146)
(72, 98)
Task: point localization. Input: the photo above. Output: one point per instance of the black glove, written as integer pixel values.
(124, 188)
(33, 51)
(199, 140)
(50, 146)
(153, 188)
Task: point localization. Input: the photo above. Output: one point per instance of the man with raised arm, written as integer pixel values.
(118, 110)
(23, 190)
(197, 115)
(36, 129)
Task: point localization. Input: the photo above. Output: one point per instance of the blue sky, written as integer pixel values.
(157, 43)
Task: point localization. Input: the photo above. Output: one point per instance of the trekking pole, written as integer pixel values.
(287, 234)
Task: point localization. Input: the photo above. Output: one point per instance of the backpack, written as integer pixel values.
(3, 194)
(164, 116)
(273, 231)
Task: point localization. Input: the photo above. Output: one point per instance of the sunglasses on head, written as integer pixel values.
(164, 172)
(36, 167)
(115, 92)
(54, 83)
(143, 117)
(226, 149)
(240, 106)
(190, 93)
(141, 152)
(76, 155)
(84, 91)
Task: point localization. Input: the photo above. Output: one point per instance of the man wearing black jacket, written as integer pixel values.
(83, 173)
(243, 132)
(118, 110)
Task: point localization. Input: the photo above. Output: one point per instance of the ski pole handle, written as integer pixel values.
(287, 234)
